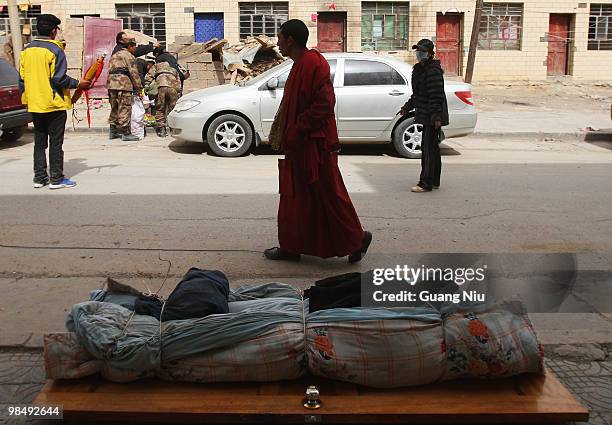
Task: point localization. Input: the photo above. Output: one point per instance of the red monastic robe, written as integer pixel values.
(315, 214)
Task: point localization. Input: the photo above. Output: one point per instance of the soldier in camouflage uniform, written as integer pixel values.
(169, 89)
(123, 81)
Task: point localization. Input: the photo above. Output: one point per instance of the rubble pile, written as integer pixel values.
(260, 54)
(217, 62)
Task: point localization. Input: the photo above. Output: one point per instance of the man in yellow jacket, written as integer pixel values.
(46, 92)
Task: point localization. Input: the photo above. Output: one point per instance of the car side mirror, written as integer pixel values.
(272, 83)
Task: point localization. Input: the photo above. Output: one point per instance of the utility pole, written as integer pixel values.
(469, 70)
(15, 30)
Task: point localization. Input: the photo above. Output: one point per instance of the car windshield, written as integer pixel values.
(266, 75)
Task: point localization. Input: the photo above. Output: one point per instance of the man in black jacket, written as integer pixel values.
(429, 102)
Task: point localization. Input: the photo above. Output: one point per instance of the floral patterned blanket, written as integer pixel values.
(382, 348)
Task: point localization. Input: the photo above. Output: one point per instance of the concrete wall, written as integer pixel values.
(527, 63)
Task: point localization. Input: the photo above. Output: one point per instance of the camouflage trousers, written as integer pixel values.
(164, 103)
(121, 109)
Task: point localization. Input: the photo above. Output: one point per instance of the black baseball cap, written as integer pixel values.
(48, 19)
(424, 45)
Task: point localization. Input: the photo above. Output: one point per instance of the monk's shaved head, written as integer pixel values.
(295, 29)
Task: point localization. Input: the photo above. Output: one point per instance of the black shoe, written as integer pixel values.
(358, 256)
(161, 131)
(280, 254)
(113, 133)
(129, 137)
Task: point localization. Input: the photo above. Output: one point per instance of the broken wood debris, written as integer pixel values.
(241, 61)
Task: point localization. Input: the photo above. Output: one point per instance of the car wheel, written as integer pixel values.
(407, 138)
(12, 134)
(229, 135)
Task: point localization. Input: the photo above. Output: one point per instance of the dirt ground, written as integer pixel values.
(543, 95)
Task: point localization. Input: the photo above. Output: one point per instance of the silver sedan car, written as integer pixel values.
(370, 90)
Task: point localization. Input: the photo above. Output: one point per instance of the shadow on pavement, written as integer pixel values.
(76, 166)
(26, 139)
(188, 148)
(446, 150)
(602, 138)
(7, 161)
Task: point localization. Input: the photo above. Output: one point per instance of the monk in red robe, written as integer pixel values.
(315, 214)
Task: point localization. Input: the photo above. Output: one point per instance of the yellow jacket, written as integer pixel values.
(45, 85)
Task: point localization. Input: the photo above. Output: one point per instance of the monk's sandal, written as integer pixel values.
(358, 256)
(281, 255)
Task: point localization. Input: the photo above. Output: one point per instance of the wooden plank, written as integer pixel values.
(523, 399)
(265, 42)
(209, 43)
(216, 46)
(141, 38)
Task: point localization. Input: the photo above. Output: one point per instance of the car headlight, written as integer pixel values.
(186, 105)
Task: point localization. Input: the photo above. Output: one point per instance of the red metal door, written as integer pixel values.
(331, 30)
(558, 36)
(99, 38)
(448, 42)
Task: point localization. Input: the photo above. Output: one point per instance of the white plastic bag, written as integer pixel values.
(147, 102)
(137, 125)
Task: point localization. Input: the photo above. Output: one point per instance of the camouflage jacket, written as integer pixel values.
(122, 72)
(165, 76)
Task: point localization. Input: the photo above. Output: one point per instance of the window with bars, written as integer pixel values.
(26, 17)
(500, 26)
(148, 18)
(262, 18)
(384, 25)
(600, 27)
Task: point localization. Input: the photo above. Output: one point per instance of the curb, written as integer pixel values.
(87, 130)
(578, 135)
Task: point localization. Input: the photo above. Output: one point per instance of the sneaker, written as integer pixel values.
(436, 187)
(38, 185)
(62, 183)
(161, 131)
(419, 189)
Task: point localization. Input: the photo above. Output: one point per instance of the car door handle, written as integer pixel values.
(396, 93)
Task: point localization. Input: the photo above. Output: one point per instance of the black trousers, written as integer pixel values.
(49, 131)
(431, 162)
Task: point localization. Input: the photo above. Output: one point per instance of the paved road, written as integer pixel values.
(495, 197)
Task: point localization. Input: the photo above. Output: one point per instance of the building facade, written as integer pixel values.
(532, 39)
